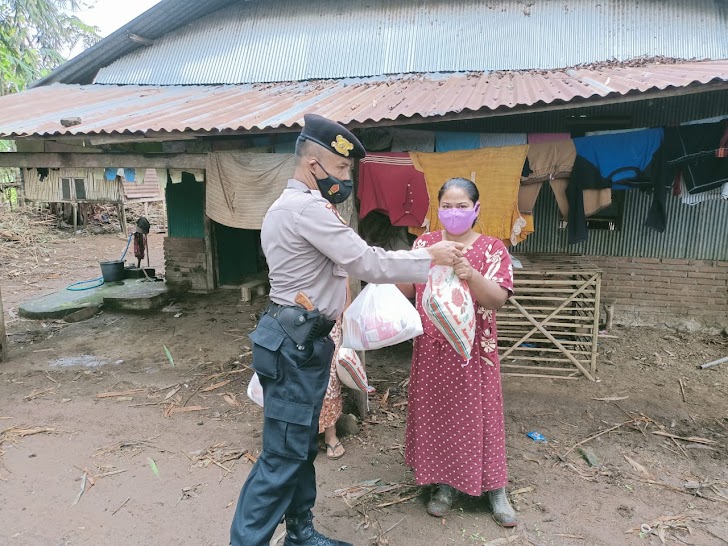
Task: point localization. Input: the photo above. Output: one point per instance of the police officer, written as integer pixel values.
(310, 251)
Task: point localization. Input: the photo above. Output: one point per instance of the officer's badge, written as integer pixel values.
(342, 145)
(334, 189)
(332, 208)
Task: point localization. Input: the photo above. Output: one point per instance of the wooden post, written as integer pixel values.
(74, 212)
(348, 211)
(3, 336)
(122, 218)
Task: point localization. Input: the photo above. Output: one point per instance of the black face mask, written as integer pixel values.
(334, 190)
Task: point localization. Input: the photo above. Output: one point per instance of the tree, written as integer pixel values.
(35, 36)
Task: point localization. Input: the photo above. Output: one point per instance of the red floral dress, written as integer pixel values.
(455, 425)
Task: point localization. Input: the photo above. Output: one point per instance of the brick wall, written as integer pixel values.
(665, 292)
(186, 263)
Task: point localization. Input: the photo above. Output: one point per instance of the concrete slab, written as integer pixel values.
(131, 294)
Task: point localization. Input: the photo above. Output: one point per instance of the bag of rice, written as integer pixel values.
(380, 317)
(449, 305)
(351, 372)
(255, 390)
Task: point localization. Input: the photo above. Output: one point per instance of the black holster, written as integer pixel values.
(300, 324)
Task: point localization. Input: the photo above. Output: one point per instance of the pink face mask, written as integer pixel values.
(458, 221)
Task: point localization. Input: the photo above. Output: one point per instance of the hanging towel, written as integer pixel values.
(162, 178)
(537, 138)
(495, 171)
(110, 173)
(241, 187)
(618, 161)
(549, 160)
(406, 140)
(449, 142)
(496, 140)
(389, 183)
(130, 175)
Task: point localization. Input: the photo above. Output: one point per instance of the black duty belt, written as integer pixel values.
(300, 324)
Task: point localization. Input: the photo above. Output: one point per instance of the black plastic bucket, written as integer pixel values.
(112, 271)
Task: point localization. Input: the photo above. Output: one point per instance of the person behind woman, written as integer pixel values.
(333, 400)
(455, 437)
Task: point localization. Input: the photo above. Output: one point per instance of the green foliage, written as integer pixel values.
(34, 36)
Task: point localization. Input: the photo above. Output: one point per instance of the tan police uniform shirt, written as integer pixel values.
(310, 249)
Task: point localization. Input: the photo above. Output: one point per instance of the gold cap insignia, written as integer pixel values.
(342, 145)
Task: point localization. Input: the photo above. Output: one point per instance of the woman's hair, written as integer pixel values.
(462, 183)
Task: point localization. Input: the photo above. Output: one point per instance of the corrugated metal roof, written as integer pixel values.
(697, 232)
(289, 40)
(159, 20)
(107, 109)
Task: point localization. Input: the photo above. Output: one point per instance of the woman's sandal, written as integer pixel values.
(441, 501)
(332, 449)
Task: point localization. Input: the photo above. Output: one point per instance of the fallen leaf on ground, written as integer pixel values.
(153, 466)
(216, 386)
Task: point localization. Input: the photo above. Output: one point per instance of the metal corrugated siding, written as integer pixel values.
(186, 208)
(162, 18)
(698, 232)
(290, 40)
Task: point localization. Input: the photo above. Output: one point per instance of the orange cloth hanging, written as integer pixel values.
(497, 174)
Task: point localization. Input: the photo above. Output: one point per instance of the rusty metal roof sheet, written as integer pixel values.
(113, 110)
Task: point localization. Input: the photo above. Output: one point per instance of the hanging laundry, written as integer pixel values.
(407, 140)
(549, 160)
(497, 140)
(375, 139)
(692, 150)
(241, 187)
(593, 200)
(162, 178)
(110, 173)
(130, 175)
(389, 183)
(618, 161)
(495, 171)
(537, 138)
(722, 150)
(710, 195)
(449, 142)
(175, 175)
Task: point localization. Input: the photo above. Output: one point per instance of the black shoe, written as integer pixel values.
(300, 532)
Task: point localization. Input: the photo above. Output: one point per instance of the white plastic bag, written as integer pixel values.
(380, 317)
(449, 305)
(351, 372)
(255, 390)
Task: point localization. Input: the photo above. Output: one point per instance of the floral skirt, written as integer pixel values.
(333, 402)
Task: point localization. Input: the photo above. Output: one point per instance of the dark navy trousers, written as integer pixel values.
(283, 481)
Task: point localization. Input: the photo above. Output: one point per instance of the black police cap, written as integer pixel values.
(332, 136)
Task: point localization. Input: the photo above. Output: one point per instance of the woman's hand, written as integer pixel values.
(463, 269)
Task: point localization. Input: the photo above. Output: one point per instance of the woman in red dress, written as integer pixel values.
(455, 435)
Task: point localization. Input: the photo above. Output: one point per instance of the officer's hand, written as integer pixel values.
(446, 252)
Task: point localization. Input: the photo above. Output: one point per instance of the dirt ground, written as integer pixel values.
(160, 452)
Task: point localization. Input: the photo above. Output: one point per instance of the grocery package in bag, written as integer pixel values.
(255, 390)
(449, 305)
(380, 317)
(351, 372)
